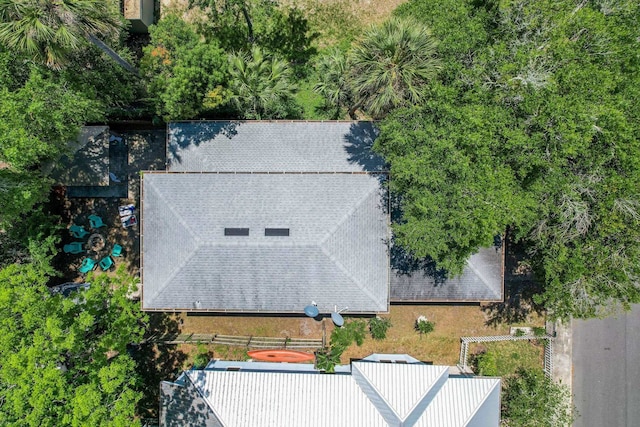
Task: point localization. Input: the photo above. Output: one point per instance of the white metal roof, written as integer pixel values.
(374, 394)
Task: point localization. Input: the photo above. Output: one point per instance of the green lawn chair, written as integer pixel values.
(73, 248)
(106, 263)
(117, 250)
(78, 231)
(96, 222)
(87, 265)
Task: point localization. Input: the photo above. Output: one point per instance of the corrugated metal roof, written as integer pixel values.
(466, 395)
(285, 399)
(336, 247)
(278, 146)
(401, 385)
(421, 392)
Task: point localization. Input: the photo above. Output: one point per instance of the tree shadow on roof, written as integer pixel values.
(183, 134)
(403, 263)
(359, 146)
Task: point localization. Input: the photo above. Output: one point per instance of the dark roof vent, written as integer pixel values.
(276, 231)
(236, 231)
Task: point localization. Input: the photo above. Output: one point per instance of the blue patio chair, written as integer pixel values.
(106, 263)
(96, 222)
(116, 251)
(87, 265)
(78, 231)
(73, 248)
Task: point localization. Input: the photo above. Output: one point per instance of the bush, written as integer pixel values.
(487, 364)
(531, 399)
(378, 327)
(351, 332)
(327, 360)
(341, 338)
(423, 325)
(202, 357)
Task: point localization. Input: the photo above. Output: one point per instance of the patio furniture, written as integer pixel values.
(117, 250)
(96, 222)
(106, 263)
(73, 248)
(78, 231)
(87, 265)
(127, 217)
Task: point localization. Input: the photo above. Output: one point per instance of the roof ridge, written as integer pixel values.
(480, 276)
(203, 396)
(195, 239)
(482, 401)
(333, 230)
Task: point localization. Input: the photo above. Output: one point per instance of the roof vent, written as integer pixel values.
(276, 231)
(236, 231)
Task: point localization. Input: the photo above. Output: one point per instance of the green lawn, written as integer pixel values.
(505, 357)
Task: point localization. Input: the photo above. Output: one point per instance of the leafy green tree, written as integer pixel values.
(19, 192)
(390, 66)
(238, 25)
(456, 195)
(531, 399)
(48, 31)
(38, 120)
(185, 75)
(262, 86)
(531, 126)
(64, 360)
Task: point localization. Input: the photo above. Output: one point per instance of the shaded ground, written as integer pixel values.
(146, 151)
(519, 287)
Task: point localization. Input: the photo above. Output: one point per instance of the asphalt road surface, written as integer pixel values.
(606, 371)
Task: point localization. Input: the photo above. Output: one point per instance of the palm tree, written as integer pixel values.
(48, 30)
(390, 66)
(261, 86)
(333, 80)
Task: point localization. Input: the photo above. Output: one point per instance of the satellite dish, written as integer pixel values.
(311, 311)
(337, 318)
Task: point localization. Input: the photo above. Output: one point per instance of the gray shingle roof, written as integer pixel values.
(272, 146)
(336, 252)
(481, 280)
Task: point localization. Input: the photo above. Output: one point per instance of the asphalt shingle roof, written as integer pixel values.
(481, 279)
(187, 266)
(272, 147)
(335, 254)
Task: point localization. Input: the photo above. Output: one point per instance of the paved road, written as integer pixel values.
(606, 371)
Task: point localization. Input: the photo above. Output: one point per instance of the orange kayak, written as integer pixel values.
(289, 356)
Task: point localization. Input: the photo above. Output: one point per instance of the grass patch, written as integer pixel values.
(506, 357)
(311, 102)
(336, 21)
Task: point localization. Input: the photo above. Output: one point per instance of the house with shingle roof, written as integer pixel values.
(380, 390)
(268, 217)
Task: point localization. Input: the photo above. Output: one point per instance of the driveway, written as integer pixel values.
(606, 370)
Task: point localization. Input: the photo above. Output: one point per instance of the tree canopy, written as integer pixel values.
(48, 31)
(531, 399)
(262, 86)
(186, 75)
(65, 360)
(531, 125)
